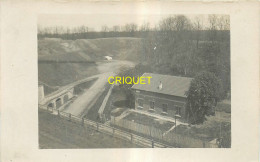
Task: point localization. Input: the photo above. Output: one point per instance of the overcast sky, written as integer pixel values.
(96, 21)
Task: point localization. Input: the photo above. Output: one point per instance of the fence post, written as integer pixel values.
(152, 144)
(69, 116)
(150, 131)
(113, 131)
(97, 126)
(83, 121)
(131, 137)
(162, 135)
(59, 113)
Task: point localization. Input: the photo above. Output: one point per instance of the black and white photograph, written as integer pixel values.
(134, 81)
(129, 81)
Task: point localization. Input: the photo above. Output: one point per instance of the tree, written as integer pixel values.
(104, 30)
(203, 95)
(185, 61)
(131, 27)
(198, 26)
(116, 28)
(145, 27)
(82, 31)
(213, 26)
(174, 32)
(68, 33)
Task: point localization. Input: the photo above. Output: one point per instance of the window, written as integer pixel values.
(178, 110)
(165, 107)
(140, 103)
(151, 104)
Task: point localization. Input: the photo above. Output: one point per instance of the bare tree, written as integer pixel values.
(130, 27)
(144, 27)
(68, 33)
(213, 26)
(197, 26)
(116, 28)
(104, 28)
(176, 23)
(226, 22)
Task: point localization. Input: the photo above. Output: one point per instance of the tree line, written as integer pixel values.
(218, 23)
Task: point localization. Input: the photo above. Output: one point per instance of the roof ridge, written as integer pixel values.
(171, 85)
(168, 75)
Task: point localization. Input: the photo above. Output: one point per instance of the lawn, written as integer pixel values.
(58, 133)
(224, 106)
(218, 126)
(149, 121)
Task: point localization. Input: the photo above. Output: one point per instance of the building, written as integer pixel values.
(108, 58)
(165, 95)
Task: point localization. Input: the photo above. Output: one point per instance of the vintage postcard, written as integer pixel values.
(157, 77)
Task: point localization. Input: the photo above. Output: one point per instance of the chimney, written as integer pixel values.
(160, 85)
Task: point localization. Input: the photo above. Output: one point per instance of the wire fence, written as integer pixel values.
(115, 132)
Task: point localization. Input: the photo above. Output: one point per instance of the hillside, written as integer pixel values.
(61, 62)
(89, 49)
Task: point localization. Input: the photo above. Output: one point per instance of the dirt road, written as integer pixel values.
(88, 98)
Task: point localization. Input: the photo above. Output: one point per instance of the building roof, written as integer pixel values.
(170, 85)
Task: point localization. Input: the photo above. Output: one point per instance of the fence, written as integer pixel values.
(107, 129)
(139, 128)
(169, 138)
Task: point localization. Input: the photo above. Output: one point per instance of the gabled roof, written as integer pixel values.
(171, 85)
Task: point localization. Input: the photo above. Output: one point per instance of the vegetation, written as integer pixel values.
(174, 49)
(79, 89)
(203, 95)
(176, 46)
(59, 133)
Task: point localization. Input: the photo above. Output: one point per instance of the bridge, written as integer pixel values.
(63, 95)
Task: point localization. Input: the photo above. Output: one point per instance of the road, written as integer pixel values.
(64, 89)
(88, 98)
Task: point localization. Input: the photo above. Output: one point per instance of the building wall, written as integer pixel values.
(173, 103)
(40, 92)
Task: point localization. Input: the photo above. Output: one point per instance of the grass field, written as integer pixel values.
(218, 126)
(61, 74)
(89, 49)
(224, 106)
(58, 133)
(149, 121)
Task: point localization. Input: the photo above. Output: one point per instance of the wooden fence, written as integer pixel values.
(145, 142)
(170, 138)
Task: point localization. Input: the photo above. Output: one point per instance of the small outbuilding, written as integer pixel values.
(108, 58)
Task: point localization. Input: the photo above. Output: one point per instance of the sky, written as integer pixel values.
(96, 21)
